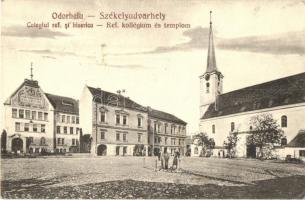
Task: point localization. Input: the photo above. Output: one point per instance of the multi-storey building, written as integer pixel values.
(165, 131)
(30, 120)
(120, 126)
(66, 123)
(117, 125)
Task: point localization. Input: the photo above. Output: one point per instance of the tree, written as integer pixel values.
(230, 143)
(265, 131)
(207, 143)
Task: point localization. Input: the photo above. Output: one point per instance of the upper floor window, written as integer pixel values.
(213, 128)
(102, 135)
(117, 119)
(118, 136)
(17, 126)
(165, 140)
(27, 114)
(77, 120)
(124, 137)
(43, 128)
(26, 127)
(58, 129)
(165, 128)
(139, 137)
(73, 119)
(124, 120)
(73, 142)
(68, 119)
(34, 115)
(284, 121)
(65, 130)
(14, 112)
(71, 130)
(34, 127)
(140, 121)
(155, 127)
(103, 116)
(159, 127)
(39, 115)
(232, 126)
(21, 113)
(46, 116)
(63, 118)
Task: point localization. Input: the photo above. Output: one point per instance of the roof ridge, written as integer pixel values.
(303, 73)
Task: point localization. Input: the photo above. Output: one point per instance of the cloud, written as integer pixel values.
(198, 38)
(23, 31)
(52, 53)
(284, 43)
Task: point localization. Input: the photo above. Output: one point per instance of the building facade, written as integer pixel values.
(66, 124)
(165, 131)
(224, 113)
(30, 120)
(117, 125)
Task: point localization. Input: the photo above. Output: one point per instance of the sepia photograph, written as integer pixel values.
(161, 99)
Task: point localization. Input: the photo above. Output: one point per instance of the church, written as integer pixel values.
(231, 112)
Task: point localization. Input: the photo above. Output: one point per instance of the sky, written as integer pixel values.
(255, 42)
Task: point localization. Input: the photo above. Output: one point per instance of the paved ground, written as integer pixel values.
(132, 177)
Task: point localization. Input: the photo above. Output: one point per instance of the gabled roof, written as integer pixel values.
(298, 141)
(26, 82)
(164, 116)
(115, 99)
(63, 104)
(280, 92)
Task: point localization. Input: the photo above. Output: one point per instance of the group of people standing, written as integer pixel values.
(164, 157)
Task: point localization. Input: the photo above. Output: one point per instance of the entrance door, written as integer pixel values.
(102, 150)
(17, 145)
(251, 151)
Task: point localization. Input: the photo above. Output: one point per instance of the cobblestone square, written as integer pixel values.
(134, 177)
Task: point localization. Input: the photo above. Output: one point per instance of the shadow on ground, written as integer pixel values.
(284, 187)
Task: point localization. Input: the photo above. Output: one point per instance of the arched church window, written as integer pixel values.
(208, 87)
(284, 121)
(213, 128)
(232, 126)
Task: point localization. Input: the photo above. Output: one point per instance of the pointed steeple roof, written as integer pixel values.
(211, 61)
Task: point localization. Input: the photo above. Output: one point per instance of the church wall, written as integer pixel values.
(295, 116)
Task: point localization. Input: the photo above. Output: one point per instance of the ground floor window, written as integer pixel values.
(302, 153)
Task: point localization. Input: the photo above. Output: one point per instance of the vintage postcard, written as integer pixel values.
(161, 99)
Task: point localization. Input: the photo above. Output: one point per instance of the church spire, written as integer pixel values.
(211, 62)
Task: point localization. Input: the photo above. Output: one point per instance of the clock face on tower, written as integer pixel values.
(207, 77)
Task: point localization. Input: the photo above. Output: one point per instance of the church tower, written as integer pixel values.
(211, 80)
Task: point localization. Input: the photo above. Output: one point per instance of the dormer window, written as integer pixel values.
(67, 103)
